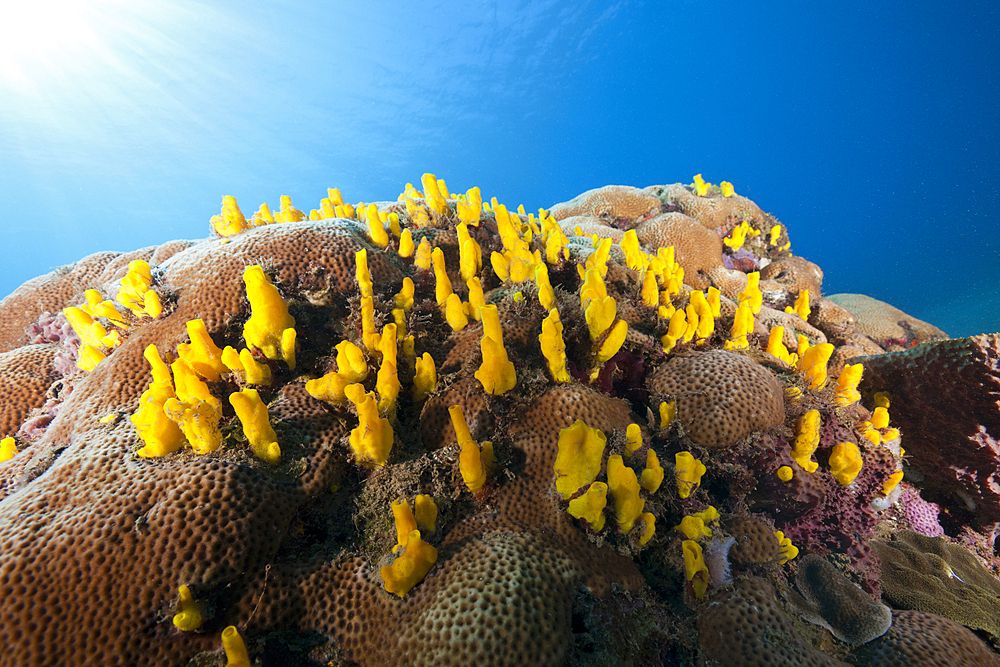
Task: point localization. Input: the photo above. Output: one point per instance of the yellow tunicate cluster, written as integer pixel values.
(695, 526)
(845, 462)
(189, 614)
(701, 188)
(252, 413)
(425, 378)
(788, 550)
(476, 461)
(270, 328)
(351, 367)
(135, 293)
(95, 341)
(652, 474)
(740, 233)
(750, 301)
(727, 189)
(371, 441)
(415, 556)
(668, 412)
(590, 506)
(688, 472)
(230, 221)
(365, 285)
(553, 346)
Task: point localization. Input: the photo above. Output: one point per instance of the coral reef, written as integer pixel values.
(629, 429)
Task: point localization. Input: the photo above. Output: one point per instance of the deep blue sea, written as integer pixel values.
(872, 130)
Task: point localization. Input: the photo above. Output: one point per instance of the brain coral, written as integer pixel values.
(289, 527)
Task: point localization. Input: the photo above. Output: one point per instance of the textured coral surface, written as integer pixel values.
(120, 544)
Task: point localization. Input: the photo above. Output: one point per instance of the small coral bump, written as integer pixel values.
(624, 487)
(202, 354)
(633, 438)
(807, 440)
(372, 440)
(578, 460)
(235, 648)
(845, 462)
(269, 318)
(410, 567)
(8, 449)
(688, 472)
(801, 307)
(847, 385)
(189, 612)
(812, 364)
(252, 414)
(652, 474)
(590, 506)
(668, 412)
(648, 528)
(695, 569)
(785, 473)
(553, 346)
(788, 550)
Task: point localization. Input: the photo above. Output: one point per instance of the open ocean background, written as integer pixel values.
(872, 130)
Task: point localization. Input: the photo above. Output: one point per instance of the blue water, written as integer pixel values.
(870, 129)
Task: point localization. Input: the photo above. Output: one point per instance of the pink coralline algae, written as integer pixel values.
(922, 515)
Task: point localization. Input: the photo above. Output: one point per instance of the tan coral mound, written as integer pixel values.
(611, 202)
(696, 248)
(721, 396)
(917, 639)
(25, 376)
(885, 324)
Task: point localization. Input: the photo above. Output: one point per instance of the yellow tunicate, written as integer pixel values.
(590, 506)
(424, 255)
(159, 433)
(703, 309)
(496, 373)
(807, 440)
(404, 521)
(652, 474)
(351, 362)
(812, 364)
(788, 550)
(387, 380)
(578, 459)
(785, 473)
(189, 613)
(727, 189)
(289, 213)
(675, 331)
(442, 287)
(425, 378)
(635, 258)
(406, 247)
(624, 487)
(546, 295)
(880, 418)
(701, 188)
(8, 449)
(475, 464)
(882, 399)
(737, 236)
(425, 512)
(470, 254)
(269, 317)
(775, 233)
(199, 421)
(231, 220)
(742, 327)
(648, 529)
(845, 462)
(454, 312)
(890, 484)
(553, 346)
(751, 294)
(202, 354)
(801, 307)
(411, 567)
(668, 412)
(688, 472)
(633, 438)
(330, 388)
(847, 385)
(372, 440)
(693, 527)
(600, 314)
(257, 428)
(613, 342)
(776, 346)
(695, 569)
(376, 232)
(236, 650)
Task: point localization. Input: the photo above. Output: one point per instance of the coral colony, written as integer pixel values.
(629, 429)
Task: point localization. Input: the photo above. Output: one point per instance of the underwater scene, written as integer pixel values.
(620, 333)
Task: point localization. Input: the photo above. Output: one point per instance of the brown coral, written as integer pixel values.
(885, 324)
(611, 202)
(721, 396)
(917, 639)
(696, 248)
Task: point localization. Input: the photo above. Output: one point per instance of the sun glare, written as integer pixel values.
(46, 34)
